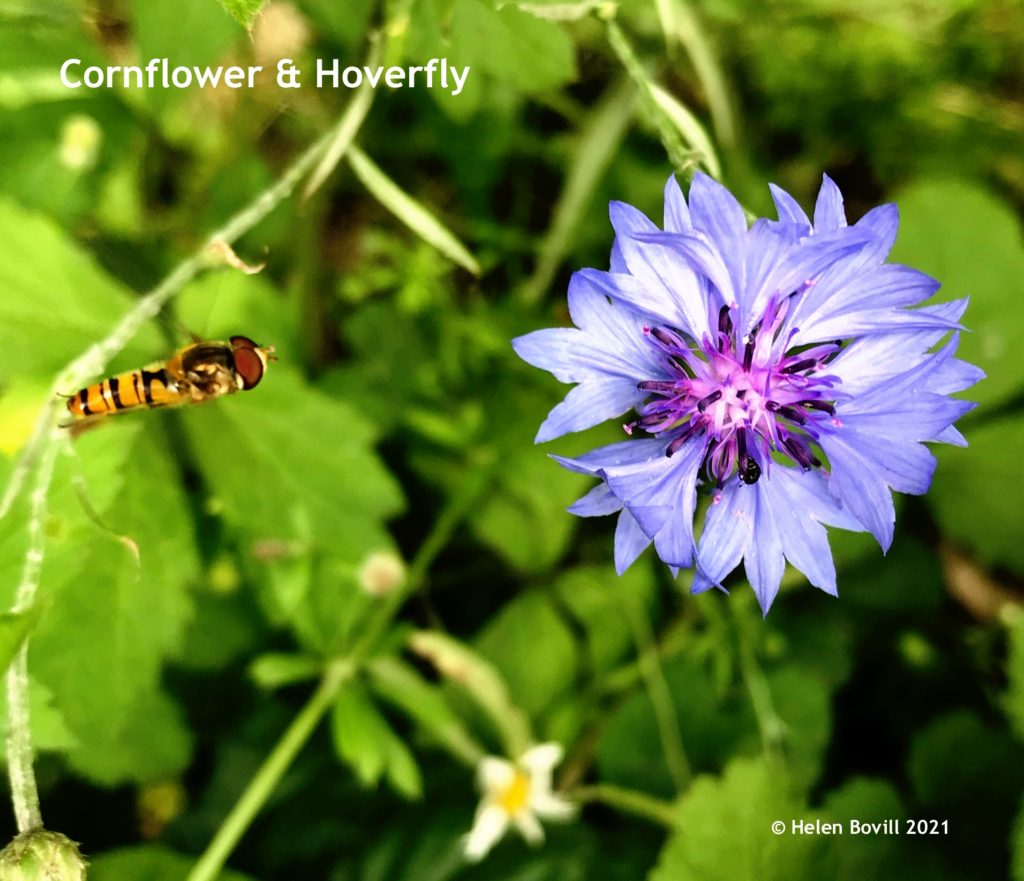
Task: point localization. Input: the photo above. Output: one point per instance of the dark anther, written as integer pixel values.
(667, 338)
(800, 365)
(748, 354)
(656, 385)
(656, 417)
(724, 321)
(793, 413)
(703, 403)
(824, 406)
(676, 445)
(800, 452)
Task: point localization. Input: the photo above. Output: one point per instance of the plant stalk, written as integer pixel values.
(270, 773)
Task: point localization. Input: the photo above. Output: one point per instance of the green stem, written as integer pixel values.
(453, 513)
(681, 23)
(601, 137)
(351, 121)
(24, 791)
(661, 698)
(270, 773)
(771, 726)
(671, 642)
(678, 154)
(629, 801)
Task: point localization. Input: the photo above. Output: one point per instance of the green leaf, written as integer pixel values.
(414, 215)
(224, 628)
(724, 831)
(597, 599)
(366, 742)
(243, 11)
(402, 686)
(524, 516)
(944, 227)
(802, 702)
(337, 484)
(907, 581)
(510, 640)
(187, 32)
(345, 22)
(276, 669)
(14, 629)
(513, 47)
(973, 494)
(154, 744)
(49, 730)
(56, 300)
(112, 617)
(712, 725)
(855, 856)
(958, 763)
(152, 862)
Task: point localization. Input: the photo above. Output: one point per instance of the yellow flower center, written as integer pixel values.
(516, 795)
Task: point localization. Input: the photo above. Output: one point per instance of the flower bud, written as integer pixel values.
(40, 855)
(381, 573)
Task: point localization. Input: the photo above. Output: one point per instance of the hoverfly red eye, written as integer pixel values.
(248, 363)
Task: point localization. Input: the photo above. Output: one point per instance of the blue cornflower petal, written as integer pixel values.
(950, 435)
(828, 210)
(725, 537)
(763, 560)
(652, 490)
(592, 402)
(671, 286)
(598, 502)
(869, 361)
(677, 212)
(630, 541)
(786, 369)
(789, 210)
(882, 223)
(717, 214)
(699, 254)
(622, 453)
(652, 300)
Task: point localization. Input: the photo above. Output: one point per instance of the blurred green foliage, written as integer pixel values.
(203, 565)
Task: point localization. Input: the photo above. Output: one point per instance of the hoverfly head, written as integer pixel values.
(250, 360)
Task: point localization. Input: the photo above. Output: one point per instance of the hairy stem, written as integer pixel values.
(270, 773)
(24, 793)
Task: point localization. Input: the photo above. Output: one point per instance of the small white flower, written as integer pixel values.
(517, 794)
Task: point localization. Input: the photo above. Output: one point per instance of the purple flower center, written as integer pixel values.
(747, 397)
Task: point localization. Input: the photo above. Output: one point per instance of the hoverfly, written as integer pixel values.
(199, 372)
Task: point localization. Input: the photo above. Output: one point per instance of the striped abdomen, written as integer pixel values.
(126, 391)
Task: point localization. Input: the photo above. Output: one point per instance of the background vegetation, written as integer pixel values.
(398, 419)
